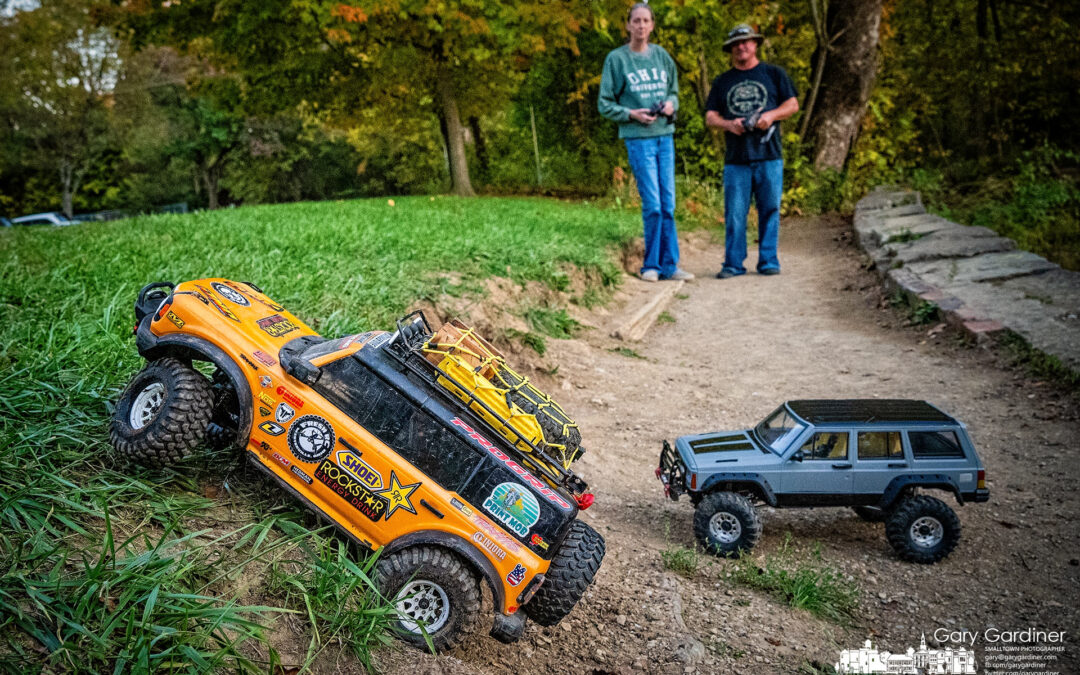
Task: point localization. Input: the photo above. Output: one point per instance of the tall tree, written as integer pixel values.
(848, 50)
(450, 58)
(60, 68)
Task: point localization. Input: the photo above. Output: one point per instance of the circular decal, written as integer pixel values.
(231, 294)
(747, 97)
(311, 438)
(514, 506)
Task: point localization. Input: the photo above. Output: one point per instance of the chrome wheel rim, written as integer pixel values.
(147, 405)
(423, 602)
(725, 527)
(927, 532)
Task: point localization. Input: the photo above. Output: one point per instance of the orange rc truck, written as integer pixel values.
(425, 445)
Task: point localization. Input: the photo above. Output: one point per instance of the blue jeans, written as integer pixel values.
(765, 181)
(653, 162)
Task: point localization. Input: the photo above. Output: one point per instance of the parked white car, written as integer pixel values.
(48, 218)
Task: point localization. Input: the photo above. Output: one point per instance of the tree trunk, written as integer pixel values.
(67, 178)
(847, 78)
(211, 176)
(481, 147)
(459, 166)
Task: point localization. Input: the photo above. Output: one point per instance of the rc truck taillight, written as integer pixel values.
(981, 477)
(693, 481)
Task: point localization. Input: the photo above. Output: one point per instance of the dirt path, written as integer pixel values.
(735, 350)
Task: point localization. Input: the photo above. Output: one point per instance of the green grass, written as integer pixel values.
(665, 317)
(681, 560)
(800, 579)
(109, 568)
(627, 352)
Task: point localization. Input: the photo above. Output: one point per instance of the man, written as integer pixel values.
(639, 89)
(753, 163)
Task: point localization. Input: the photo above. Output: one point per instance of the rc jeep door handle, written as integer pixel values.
(841, 466)
(897, 465)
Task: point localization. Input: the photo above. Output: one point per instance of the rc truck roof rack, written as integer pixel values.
(406, 345)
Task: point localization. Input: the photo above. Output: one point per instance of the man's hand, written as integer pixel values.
(713, 119)
(642, 116)
(766, 120)
(669, 109)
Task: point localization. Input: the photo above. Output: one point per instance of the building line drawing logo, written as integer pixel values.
(921, 661)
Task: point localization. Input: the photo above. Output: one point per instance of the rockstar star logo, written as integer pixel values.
(398, 495)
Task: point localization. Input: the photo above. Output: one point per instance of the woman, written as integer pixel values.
(639, 78)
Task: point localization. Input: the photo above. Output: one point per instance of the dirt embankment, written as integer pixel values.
(727, 354)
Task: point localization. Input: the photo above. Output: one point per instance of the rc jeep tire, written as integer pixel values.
(726, 524)
(434, 586)
(871, 514)
(162, 414)
(923, 529)
(571, 572)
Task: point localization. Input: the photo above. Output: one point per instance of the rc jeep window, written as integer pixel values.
(778, 429)
(935, 445)
(880, 445)
(395, 421)
(826, 445)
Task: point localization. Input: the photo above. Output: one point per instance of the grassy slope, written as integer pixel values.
(96, 572)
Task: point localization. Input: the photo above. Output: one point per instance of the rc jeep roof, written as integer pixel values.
(870, 454)
(423, 444)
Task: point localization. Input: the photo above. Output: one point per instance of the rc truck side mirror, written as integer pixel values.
(797, 456)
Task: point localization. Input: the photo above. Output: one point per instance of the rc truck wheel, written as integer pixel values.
(923, 529)
(572, 570)
(433, 588)
(222, 430)
(162, 414)
(871, 514)
(726, 524)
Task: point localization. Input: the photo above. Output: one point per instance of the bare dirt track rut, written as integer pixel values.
(735, 350)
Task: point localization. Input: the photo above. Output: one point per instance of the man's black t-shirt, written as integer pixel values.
(739, 93)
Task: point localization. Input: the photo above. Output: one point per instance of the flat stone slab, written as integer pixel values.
(889, 230)
(946, 273)
(953, 243)
(884, 198)
(981, 284)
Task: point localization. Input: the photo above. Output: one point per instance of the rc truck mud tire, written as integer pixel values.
(570, 574)
(726, 524)
(162, 414)
(433, 587)
(923, 529)
(871, 514)
(557, 426)
(221, 432)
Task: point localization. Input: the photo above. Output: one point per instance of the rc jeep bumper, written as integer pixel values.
(671, 472)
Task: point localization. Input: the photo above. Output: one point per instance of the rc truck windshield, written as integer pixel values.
(778, 430)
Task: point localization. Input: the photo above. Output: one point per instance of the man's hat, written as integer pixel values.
(740, 33)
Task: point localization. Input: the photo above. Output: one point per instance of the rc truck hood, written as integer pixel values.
(721, 450)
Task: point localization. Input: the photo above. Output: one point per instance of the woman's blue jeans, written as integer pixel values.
(765, 181)
(653, 162)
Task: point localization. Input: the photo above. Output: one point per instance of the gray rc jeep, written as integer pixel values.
(873, 455)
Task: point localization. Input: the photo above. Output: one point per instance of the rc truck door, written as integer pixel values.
(824, 474)
(879, 457)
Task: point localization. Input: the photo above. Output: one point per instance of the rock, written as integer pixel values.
(621, 619)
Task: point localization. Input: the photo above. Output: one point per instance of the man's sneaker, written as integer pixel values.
(769, 272)
(681, 275)
(650, 275)
(725, 274)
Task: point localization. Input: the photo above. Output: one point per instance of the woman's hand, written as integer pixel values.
(642, 116)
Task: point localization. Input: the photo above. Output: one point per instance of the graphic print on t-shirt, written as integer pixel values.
(746, 98)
